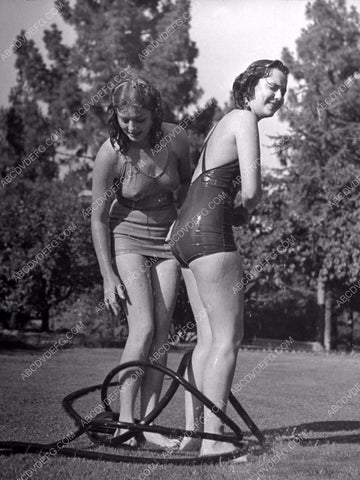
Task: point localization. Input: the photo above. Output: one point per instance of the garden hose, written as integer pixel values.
(105, 423)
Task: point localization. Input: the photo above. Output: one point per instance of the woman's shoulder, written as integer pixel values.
(239, 121)
(168, 127)
(107, 157)
(107, 149)
(172, 128)
(177, 142)
(174, 134)
(239, 116)
(107, 152)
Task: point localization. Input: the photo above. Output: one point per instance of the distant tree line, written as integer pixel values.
(301, 248)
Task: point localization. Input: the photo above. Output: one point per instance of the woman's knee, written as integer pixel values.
(238, 336)
(238, 341)
(228, 343)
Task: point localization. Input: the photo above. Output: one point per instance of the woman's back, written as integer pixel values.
(234, 135)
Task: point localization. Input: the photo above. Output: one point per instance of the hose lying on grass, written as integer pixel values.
(101, 429)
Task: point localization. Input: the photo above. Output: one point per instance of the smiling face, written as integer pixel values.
(269, 94)
(135, 123)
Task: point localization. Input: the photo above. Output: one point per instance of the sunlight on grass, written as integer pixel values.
(289, 400)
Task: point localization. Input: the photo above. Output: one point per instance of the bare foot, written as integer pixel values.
(190, 444)
(132, 442)
(211, 447)
(161, 440)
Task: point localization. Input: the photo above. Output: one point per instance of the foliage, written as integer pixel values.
(279, 313)
(85, 307)
(323, 114)
(70, 80)
(37, 206)
(314, 202)
(46, 251)
(26, 139)
(317, 199)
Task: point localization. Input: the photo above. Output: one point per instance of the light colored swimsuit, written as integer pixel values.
(145, 208)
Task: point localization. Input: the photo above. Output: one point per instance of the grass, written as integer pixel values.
(293, 393)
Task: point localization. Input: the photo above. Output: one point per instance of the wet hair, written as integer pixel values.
(244, 85)
(134, 92)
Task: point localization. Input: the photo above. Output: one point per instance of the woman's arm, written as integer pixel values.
(248, 149)
(180, 144)
(102, 189)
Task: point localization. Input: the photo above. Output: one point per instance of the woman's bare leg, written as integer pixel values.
(193, 407)
(215, 276)
(140, 322)
(164, 280)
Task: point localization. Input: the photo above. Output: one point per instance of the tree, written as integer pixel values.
(46, 250)
(111, 35)
(27, 141)
(322, 151)
(278, 298)
(59, 101)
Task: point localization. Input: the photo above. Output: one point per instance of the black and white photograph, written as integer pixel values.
(180, 239)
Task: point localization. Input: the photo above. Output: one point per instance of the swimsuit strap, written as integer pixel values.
(203, 168)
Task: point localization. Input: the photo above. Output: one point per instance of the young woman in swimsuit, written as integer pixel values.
(202, 240)
(148, 173)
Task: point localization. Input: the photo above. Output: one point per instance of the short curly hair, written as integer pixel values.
(244, 85)
(134, 92)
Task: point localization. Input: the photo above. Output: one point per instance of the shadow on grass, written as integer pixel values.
(330, 429)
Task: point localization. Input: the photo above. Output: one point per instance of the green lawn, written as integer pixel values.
(293, 393)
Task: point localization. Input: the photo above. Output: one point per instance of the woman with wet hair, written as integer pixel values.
(202, 240)
(147, 169)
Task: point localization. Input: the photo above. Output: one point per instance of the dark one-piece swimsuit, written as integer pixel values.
(204, 223)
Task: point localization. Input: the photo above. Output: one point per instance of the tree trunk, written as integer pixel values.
(327, 321)
(321, 311)
(334, 332)
(45, 317)
(349, 323)
(12, 323)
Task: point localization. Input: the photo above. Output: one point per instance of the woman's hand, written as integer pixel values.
(114, 294)
(241, 216)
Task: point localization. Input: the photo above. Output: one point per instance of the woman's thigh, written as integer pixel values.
(164, 280)
(134, 272)
(216, 275)
(199, 311)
